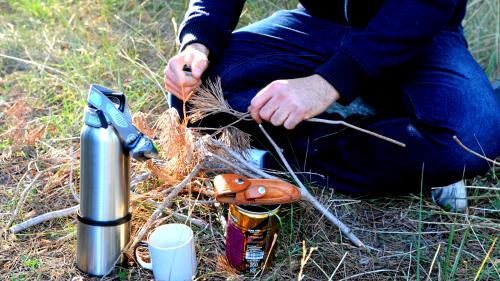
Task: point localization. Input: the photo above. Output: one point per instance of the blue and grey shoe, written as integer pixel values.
(452, 197)
(256, 157)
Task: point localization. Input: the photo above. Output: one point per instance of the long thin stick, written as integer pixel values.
(338, 265)
(340, 122)
(455, 138)
(140, 178)
(275, 236)
(71, 188)
(243, 161)
(367, 272)
(167, 202)
(229, 164)
(43, 66)
(306, 195)
(43, 218)
(485, 259)
(64, 212)
(23, 196)
(433, 261)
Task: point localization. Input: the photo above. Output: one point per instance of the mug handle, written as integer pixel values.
(146, 265)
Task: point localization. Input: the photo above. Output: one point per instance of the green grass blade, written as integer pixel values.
(457, 257)
(420, 223)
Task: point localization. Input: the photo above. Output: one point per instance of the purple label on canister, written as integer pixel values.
(235, 245)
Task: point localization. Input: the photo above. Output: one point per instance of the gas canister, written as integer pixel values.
(250, 235)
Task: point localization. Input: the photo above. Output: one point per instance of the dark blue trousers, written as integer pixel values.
(441, 93)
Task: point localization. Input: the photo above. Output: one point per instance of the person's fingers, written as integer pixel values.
(169, 72)
(255, 114)
(188, 57)
(292, 121)
(280, 115)
(180, 77)
(198, 65)
(182, 93)
(173, 88)
(256, 104)
(188, 92)
(262, 97)
(267, 111)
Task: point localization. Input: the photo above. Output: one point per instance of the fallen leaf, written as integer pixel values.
(34, 135)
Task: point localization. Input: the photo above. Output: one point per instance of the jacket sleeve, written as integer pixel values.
(391, 38)
(210, 22)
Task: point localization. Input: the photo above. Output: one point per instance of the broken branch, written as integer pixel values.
(43, 218)
(242, 160)
(307, 196)
(167, 202)
(455, 138)
(340, 122)
(23, 196)
(64, 212)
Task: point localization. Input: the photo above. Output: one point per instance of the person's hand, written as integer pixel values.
(179, 82)
(289, 102)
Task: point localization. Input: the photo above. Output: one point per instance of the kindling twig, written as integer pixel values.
(240, 159)
(478, 273)
(140, 178)
(23, 196)
(307, 196)
(229, 164)
(305, 257)
(64, 212)
(433, 261)
(455, 138)
(210, 100)
(338, 266)
(340, 122)
(167, 202)
(43, 218)
(275, 236)
(71, 188)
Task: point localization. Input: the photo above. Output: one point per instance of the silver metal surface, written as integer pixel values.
(98, 247)
(104, 175)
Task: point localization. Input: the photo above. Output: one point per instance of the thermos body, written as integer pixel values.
(107, 141)
(104, 176)
(99, 247)
(103, 227)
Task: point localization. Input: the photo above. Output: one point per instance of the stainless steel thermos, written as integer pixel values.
(107, 140)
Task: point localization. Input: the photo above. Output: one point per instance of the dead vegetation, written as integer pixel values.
(388, 226)
(41, 100)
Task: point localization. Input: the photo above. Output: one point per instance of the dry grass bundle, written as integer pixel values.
(210, 100)
(178, 153)
(235, 139)
(140, 121)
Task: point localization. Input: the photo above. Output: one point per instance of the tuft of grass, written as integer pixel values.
(31, 263)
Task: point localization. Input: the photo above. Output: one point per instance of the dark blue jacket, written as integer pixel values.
(390, 33)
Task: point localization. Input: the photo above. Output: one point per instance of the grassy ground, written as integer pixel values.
(50, 51)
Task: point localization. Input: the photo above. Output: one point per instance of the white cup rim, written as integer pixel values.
(170, 225)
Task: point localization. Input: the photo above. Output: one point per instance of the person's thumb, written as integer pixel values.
(199, 65)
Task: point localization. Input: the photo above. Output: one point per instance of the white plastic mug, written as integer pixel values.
(172, 253)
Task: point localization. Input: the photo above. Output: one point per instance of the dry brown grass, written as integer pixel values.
(388, 225)
(40, 117)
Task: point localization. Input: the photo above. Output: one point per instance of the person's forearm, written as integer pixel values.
(210, 22)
